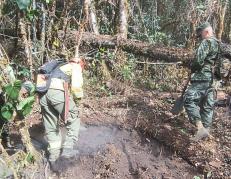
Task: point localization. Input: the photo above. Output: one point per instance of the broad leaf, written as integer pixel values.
(30, 158)
(12, 90)
(23, 4)
(32, 14)
(7, 111)
(26, 105)
(24, 72)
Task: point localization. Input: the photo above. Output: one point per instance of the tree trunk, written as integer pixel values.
(93, 18)
(1, 5)
(23, 35)
(227, 24)
(16, 28)
(86, 10)
(221, 15)
(50, 29)
(123, 15)
(155, 52)
(229, 31)
(191, 41)
(34, 22)
(64, 18)
(29, 45)
(43, 34)
(85, 21)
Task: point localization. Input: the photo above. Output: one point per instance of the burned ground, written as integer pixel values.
(134, 136)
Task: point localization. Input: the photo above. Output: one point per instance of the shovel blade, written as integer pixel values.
(178, 106)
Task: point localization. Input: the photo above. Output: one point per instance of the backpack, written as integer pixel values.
(222, 67)
(46, 72)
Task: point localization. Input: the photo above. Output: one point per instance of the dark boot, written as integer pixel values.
(54, 166)
(69, 153)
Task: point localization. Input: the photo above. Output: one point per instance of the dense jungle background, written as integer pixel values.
(136, 55)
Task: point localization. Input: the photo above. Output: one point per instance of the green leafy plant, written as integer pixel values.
(25, 106)
(12, 90)
(7, 111)
(22, 107)
(30, 158)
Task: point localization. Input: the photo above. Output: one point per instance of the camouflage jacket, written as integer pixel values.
(205, 58)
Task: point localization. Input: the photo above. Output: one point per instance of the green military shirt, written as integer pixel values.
(205, 57)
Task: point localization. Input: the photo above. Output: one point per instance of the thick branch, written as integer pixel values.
(221, 20)
(155, 52)
(90, 15)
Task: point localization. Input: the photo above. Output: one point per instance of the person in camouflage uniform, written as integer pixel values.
(199, 96)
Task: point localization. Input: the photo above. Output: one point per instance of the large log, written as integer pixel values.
(155, 52)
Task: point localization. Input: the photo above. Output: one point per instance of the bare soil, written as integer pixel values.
(117, 141)
(113, 152)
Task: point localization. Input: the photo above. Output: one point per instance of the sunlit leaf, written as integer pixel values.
(23, 4)
(12, 90)
(30, 158)
(196, 177)
(56, 42)
(32, 14)
(7, 111)
(25, 106)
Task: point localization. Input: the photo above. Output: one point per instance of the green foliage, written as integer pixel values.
(26, 6)
(22, 107)
(127, 70)
(30, 158)
(7, 111)
(12, 90)
(8, 7)
(25, 106)
(31, 14)
(23, 4)
(47, 1)
(24, 73)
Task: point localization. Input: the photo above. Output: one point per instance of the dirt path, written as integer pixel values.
(113, 152)
(112, 143)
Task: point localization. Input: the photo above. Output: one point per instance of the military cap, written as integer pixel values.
(201, 27)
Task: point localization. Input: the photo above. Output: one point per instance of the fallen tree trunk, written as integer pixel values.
(155, 52)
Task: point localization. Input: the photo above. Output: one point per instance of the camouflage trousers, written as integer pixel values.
(52, 107)
(199, 103)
